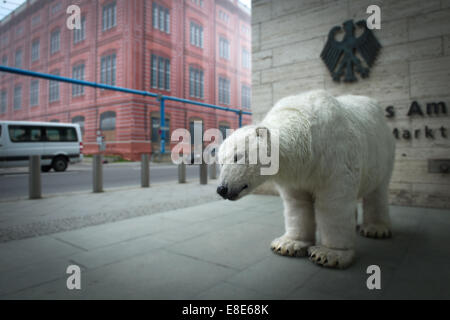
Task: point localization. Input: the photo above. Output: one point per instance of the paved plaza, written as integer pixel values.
(205, 249)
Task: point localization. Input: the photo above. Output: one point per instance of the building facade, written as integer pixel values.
(192, 49)
(410, 78)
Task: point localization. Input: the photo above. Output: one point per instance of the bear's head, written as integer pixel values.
(244, 157)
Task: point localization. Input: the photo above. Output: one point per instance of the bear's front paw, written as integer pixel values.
(376, 231)
(290, 247)
(331, 258)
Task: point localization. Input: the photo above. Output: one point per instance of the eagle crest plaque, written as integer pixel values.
(341, 57)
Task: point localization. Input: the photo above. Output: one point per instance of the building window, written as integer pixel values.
(80, 121)
(246, 96)
(56, 8)
(198, 2)
(109, 16)
(17, 97)
(224, 16)
(4, 39)
(196, 35)
(78, 74)
(196, 82)
(108, 69)
(160, 75)
(35, 20)
(161, 18)
(19, 30)
(53, 89)
(245, 59)
(224, 90)
(18, 60)
(108, 121)
(108, 125)
(156, 130)
(245, 30)
(224, 48)
(34, 93)
(80, 34)
(35, 46)
(54, 41)
(3, 101)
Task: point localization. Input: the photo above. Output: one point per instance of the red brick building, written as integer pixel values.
(193, 49)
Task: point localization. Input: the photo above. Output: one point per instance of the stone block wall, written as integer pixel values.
(413, 65)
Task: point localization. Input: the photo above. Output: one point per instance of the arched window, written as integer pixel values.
(108, 121)
(108, 125)
(80, 121)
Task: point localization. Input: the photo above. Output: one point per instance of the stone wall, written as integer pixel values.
(413, 65)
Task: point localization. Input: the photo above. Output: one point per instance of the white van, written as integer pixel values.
(58, 144)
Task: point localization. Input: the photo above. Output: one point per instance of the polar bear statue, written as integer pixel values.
(332, 152)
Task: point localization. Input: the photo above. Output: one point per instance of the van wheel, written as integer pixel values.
(46, 168)
(59, 164)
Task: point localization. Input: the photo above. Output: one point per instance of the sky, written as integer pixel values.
(6, 6)
(248, 3)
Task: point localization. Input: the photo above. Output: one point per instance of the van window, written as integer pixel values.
(41, 134)
(61, 134)
(25, 134)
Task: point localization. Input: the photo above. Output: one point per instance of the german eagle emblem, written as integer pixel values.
(345, 52)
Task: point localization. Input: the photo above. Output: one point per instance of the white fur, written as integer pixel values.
(332, 152)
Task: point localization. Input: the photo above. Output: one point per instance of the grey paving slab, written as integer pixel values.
(303, 293)
(227, 291)
(348, 284)
(33, 275)
(193, 230)
(22, 253)
(115, 253)
(237, 246)
(111, 233)
(208, 223)
(156, 275)
(419, 278)
(199, 213)
(274, 219)
(275, 275)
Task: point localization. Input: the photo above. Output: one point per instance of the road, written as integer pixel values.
(78, 177)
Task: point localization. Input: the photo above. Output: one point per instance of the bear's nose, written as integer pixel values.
(222, 191)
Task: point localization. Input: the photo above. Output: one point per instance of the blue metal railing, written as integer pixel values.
(161, 98)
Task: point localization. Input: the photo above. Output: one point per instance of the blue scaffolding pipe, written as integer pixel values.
(161, 98)
(74, 81)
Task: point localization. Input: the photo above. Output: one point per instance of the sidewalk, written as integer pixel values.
(86, 165)
(214, 250)
(22, 218)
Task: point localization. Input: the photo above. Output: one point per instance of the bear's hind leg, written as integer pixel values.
(336, 224)
(299, 224)
(376, 222)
